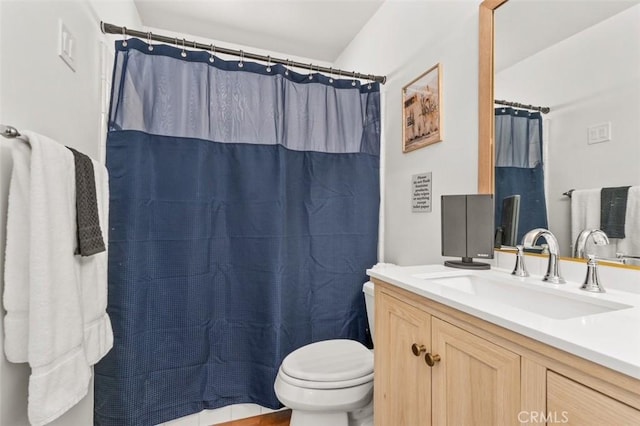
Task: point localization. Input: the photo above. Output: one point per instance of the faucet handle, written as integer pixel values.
(592, 280)
(520, 270)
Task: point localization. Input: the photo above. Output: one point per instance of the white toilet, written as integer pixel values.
(330, 382)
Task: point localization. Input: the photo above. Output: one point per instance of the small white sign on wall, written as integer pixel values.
(421, 193)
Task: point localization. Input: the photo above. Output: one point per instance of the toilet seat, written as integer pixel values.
(328, 364)
(308, 384)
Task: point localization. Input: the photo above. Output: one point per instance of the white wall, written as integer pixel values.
(403, 40)
(39, 92)
(589, 78)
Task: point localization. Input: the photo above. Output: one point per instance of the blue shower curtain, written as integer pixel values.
(244, 212)
(519, 166)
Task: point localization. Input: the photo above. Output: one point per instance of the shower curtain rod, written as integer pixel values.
(544, 110)
(114, 29)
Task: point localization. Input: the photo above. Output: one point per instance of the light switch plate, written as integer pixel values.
(599, 133)
(66, 45)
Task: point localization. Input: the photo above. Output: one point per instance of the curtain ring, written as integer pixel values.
(268, 63)
(213, 52)
(241, 63)
(286, 71)
(184, 52)
(124, 36)
(195, 44)
(149, 41)
(331, 75)
(353, 83)
(370, 79)
(311, 73)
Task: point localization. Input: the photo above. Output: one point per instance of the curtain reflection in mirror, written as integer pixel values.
(519, 168)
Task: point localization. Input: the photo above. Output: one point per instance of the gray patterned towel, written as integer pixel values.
(90, 239)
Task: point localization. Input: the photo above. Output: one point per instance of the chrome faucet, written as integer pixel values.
(529, 240)
(598, 236)
(520, 270)
(592, 280)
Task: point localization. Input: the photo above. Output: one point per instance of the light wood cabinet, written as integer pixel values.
(400, 378)
(483, 374)
(475, 382)
(471, 382)
(571, 403)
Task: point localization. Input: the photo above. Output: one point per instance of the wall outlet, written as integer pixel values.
(66, 45)
(599, 133)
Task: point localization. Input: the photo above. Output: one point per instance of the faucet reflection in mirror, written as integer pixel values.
(598, 236)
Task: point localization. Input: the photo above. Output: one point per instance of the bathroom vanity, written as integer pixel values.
(486, 348)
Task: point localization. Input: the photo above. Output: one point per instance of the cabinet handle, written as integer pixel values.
(418, 349)
(431, 359)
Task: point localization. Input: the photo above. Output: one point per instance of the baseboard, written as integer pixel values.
(277, 418)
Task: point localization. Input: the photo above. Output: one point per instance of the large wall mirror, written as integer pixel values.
(581, 61)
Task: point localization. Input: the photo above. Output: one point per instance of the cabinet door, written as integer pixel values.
(402, 383)
(475, 382)
(571, 403)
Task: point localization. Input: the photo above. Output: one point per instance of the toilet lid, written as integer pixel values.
(329, 361)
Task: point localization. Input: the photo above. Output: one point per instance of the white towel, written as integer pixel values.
(631, 243)
(68, 328)
(585, 212)
(98, 336)
(16, 269)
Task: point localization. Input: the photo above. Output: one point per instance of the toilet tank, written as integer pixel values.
(367, 289)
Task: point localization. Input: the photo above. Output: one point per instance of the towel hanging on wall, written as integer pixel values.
(89, 239)
(56, 302)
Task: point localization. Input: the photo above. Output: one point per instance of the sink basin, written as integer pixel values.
(539, 300)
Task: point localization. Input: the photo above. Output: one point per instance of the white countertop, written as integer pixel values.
(611, 339)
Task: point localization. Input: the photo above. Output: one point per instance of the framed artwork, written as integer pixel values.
(421, 110)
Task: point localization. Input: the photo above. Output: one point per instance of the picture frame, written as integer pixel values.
(422, 110)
